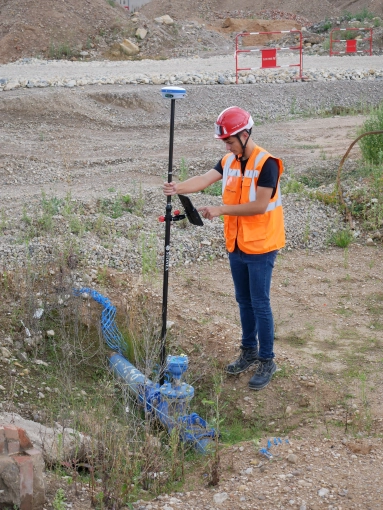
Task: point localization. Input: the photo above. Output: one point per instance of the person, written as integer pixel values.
(254, 232)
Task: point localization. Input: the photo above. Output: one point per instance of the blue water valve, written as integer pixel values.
(177, 365)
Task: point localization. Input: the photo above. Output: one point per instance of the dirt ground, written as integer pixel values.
(90, 29)
(328, 304)
(326, 397)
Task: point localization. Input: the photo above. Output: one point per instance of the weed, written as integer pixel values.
(326, 198)
(308, 146)
(25, 218)
(327, 25)
(139, 202)
(149, 254)
(59, 501)
(75, 226)
(295, 340)
(50, 206)
(3, 221)
(293, 106)
(310, 181)
(115, 207)
(349, 34)
(214, 189)
(60, 51)
(326, 44)
(360, 15)
(184, 170)
(341, 238)
(292, 185)
(102, 276)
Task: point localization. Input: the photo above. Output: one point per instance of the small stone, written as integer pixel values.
(292, 458)
(220, 497)
(323, 492)
(50, 333)
(4, 352)
(141, 33)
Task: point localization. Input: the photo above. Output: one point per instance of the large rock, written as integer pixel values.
(57, 443)
(21, 470)
(164, 20)
(129, 48)
(141, 33)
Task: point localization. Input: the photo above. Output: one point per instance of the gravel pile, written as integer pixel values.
(135, 240)
(34, 73)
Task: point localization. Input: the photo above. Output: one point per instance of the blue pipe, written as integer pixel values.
(168, 402)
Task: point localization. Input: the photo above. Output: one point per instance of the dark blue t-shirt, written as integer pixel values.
(268, 177)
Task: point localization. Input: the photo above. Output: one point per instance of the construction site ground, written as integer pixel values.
(326, 396)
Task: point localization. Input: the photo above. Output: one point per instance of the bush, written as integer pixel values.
(372, 145)
(341, 238)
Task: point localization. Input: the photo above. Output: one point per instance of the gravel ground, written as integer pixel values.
(86, 147)
(104, 162)
(42, 70)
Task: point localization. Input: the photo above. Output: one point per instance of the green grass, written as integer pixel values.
(214, 189)
(341, 238)
(372, 145)
(361, 15)
(295, 340)
(61, 51)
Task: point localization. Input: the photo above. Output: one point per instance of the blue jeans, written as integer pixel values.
(252, 280)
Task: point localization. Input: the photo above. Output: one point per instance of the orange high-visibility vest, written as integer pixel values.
(256, 234)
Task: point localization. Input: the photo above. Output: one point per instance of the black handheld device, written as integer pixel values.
(191, 212)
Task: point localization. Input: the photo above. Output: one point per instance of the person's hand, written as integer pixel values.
(170, 188)
(210, 212)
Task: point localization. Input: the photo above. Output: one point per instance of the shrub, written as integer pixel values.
(341, 238)
(372, 145)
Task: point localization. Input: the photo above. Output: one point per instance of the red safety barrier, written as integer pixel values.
(351, 44)
(268, 55)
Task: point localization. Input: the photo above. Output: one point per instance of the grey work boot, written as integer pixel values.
(247, 358)
(263, 374)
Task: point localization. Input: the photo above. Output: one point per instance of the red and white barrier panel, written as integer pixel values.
(351, 44)
(268, 55)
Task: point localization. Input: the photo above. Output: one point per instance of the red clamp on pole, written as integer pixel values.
(161, 219)
(176, 213)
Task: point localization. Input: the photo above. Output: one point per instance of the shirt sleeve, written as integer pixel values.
(269, 175)
(219, 167)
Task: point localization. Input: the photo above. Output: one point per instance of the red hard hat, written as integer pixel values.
(232, 121)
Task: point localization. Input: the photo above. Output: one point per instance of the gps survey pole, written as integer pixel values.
(171, 93)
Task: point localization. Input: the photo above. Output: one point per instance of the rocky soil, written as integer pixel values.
(81, 169)
(67, 162)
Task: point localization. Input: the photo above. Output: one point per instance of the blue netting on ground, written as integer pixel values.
(111, 334)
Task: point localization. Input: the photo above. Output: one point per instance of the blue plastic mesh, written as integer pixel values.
(110, 332)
